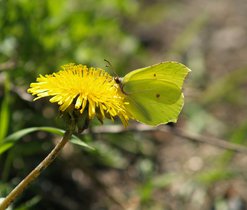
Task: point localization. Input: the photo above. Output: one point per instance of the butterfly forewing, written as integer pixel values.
(170, 71)
(155, 90)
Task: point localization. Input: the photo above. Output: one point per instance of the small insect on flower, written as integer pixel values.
(154, 93)
(90, 90)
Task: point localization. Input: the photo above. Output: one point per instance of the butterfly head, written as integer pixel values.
(118, 80)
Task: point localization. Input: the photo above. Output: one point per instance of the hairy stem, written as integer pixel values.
(36, 172)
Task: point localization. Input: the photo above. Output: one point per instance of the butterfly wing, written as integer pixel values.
(160, 114)
(153, 102)
(170, 71)
(154, 93)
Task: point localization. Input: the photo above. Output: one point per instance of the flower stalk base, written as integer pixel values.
(36, 172)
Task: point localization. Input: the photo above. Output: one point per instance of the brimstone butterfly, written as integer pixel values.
(154, 93)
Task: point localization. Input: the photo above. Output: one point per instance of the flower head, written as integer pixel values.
(84, 89)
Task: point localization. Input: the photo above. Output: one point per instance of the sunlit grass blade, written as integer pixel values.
(5, 146)
(4, 112)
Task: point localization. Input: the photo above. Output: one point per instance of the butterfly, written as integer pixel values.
(154, 93)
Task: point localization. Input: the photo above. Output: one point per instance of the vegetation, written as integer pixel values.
(198, 163)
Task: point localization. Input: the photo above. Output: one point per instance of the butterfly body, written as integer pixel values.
(154, 93)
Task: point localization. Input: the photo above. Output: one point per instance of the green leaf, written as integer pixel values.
(9, 141)
(5, 146)
(78, 141)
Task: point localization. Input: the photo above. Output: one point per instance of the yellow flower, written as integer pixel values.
(85, 89)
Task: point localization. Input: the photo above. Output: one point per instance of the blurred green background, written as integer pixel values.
(151, 170)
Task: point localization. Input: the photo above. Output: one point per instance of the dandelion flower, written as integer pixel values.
(90, 90)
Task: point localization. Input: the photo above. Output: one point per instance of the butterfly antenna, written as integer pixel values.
(109, 65)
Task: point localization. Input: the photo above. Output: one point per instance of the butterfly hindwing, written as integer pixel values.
(152, 113)
(156, 90)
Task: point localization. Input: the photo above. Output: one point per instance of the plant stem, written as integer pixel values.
(36, 172)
